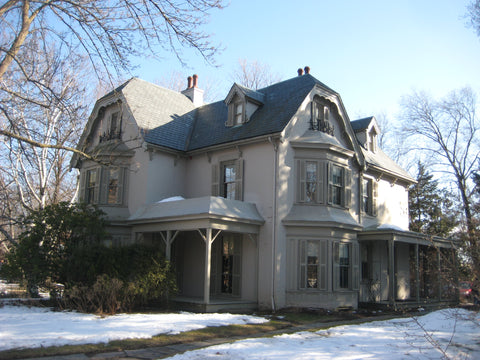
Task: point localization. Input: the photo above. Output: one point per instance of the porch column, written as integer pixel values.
(391, 271)
(417, 273)
(208, 256)
(439, 271)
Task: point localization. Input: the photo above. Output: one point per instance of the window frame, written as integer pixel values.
(100, 189)
(342, 189)
(371, 195)
(218, 175)
(305, 266)
(302, 182)
(351, 269)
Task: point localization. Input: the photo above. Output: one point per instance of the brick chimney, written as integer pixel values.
(193, 92)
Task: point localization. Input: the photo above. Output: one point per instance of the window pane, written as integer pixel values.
(229, 177)
(366, 195)
(91, 186)
(337, 185)
(311, 181)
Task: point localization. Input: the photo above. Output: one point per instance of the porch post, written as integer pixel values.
(208, 255)
(417, 273)
(439, 271)
(391, 271)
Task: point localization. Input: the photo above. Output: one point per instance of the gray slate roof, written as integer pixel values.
(280, 102)
(361, 124)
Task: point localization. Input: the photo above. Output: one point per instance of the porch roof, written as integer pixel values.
(196, 213)
(410, 237)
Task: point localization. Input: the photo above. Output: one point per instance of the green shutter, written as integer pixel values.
(121, 180)
(98, 176)
(355, 266)
(215, 180)
(336, 266)
(301, 187)
(323, 257)
(83, 177)
(103, 178)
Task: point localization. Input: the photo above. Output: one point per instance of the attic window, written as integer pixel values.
(321, 113)
(114, 130)
(238, 114)
(372, 140)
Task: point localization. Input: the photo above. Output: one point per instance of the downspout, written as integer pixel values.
(274, 218)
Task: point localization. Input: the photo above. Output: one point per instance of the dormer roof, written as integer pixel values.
(236, 89)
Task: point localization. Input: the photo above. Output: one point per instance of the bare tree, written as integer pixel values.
(40, 175)
(447, 130)
(107, 33)
(254, 75)
(473, 15)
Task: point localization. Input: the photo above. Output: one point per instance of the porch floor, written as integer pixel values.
(216, 304)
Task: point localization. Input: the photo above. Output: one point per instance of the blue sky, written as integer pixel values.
(371, 52)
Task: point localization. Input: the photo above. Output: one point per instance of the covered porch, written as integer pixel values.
(212, 243)
(401, 269)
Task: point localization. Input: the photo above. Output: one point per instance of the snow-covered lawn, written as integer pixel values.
(445, 334)
(28, 327)
(455, 331)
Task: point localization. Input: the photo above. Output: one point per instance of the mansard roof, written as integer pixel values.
(280, 102)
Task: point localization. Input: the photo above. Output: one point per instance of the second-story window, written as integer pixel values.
(229, 171)
(320, 119)
(369, 196)
(227, 179)
(91, 194)
(339, 185)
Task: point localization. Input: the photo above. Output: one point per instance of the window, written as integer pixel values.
(102, 186)
(346, 269)
(114, 130)
(320, 119)
(227, 179)
(229, 175)
(372, 141)
(313, 264)
(310, 181)
(91, 195)
(339, 185)
(369, 196)
(113, 186)
(238, 114)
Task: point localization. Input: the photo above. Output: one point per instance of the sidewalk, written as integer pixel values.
(170, 350)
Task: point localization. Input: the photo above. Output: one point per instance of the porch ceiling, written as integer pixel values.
(196, 213)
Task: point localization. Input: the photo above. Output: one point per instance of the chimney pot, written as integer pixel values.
(300, 72)
(195, 80)
(307, 70)
(189, 79)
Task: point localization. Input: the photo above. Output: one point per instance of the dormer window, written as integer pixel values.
(242, 104)
(238, 113)
(320, 120)
(114, 130)
(372, 140)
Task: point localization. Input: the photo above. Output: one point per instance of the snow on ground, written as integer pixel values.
(27, 327)
(456, 331)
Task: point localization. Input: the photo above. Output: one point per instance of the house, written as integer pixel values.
(268, 199)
